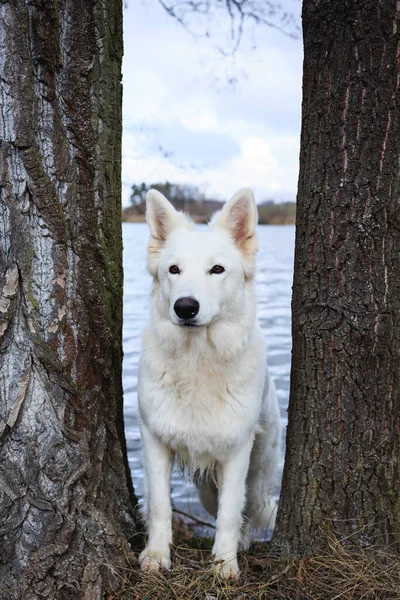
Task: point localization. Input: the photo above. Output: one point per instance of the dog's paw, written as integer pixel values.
(152, 559)
(227, 569)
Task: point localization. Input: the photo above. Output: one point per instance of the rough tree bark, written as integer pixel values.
(342, 461)
(65, 492)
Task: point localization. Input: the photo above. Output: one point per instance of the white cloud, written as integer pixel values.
(197, 114)
(256, 166)
(251, 137)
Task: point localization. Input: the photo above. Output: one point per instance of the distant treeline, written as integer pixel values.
(192, 201)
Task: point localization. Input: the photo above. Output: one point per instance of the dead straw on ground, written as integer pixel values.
(340, 572)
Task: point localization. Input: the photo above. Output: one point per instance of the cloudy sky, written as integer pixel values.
(184, 123)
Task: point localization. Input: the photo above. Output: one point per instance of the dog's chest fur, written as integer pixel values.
(199, 406)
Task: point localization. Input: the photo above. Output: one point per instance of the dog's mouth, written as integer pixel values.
(189, 324)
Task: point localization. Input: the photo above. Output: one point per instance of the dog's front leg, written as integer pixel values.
(158, 460)
(231, 499)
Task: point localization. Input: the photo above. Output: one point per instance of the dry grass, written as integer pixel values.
(338, 573)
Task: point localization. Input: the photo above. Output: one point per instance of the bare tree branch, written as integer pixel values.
(202, 17)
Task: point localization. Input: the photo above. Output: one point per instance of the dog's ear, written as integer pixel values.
(239, 218)
(162, 219)
(162, 216)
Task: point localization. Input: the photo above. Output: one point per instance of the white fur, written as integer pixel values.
(205, 394)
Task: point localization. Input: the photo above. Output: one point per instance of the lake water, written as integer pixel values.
(273, 288)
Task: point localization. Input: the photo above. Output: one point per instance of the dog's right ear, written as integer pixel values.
(162, 219)
(162, 216)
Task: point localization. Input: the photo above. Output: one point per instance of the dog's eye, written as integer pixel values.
(174, 269)
(217, 269)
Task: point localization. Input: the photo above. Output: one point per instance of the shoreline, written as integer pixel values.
(129, 218)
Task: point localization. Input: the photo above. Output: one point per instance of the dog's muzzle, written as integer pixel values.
(186, 308)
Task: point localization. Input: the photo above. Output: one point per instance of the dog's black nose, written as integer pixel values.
(186, 308)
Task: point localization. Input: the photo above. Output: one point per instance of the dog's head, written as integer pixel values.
(201, 276)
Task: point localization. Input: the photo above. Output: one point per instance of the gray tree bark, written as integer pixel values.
(66, 499)
(342, 469)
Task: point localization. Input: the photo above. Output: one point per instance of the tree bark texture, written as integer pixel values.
(343, 442)
(65, 492)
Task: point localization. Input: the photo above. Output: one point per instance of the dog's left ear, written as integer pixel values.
(239, 218)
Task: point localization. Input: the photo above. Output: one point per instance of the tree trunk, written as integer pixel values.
(343, 442)
(65, 492)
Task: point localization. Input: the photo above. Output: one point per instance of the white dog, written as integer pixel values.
(205, 394)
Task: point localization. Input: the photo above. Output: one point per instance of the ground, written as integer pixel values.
(336, 573)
